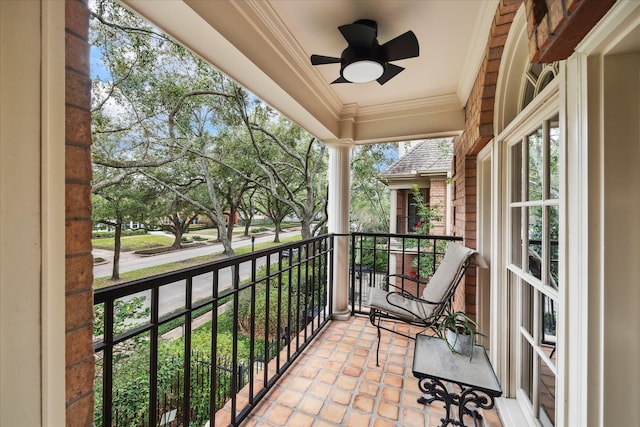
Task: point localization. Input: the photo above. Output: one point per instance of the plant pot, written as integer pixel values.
(460, 343)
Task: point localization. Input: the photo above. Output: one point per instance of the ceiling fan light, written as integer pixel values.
(363, 71)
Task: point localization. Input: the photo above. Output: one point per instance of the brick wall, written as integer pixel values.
(79, 261)
(555, 27)
(477, 133)
(401, 204)
(438, 201)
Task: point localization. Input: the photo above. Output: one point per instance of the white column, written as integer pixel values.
(393, 228)
(339, 184)
(32, 191)
(393, 212)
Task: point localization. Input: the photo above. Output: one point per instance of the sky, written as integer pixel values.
(97, 66)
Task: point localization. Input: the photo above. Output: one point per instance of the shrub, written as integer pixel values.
(366, 256)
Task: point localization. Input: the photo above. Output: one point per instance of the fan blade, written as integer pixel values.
(320, 60)
(402, 47)
(340, 80)
(390, 72)
(359, 35)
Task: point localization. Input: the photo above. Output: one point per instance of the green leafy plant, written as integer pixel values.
(459, 324)
(426, 213)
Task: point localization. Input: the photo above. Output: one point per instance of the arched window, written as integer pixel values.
(537, 77)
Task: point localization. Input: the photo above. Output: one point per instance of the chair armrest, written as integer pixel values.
(405, 277)
(408, 296)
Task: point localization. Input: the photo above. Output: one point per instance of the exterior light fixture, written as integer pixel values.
(363, 71)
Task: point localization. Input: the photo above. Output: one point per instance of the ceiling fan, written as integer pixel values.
(364, 60)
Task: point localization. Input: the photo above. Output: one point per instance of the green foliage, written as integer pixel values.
(300, 285)
(425, 212)
(370, 249)
(460, 324)
(259, 229)
(131, 364)
(131, 358)
(369, 197)
(126, 314)
(425, 262)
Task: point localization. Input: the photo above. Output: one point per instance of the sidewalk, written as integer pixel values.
(130, 261)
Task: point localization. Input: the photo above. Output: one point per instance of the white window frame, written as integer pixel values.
(504, 320)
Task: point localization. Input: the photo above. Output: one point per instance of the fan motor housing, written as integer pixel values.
(361, 65)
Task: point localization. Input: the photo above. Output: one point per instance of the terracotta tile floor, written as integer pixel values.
(336, 382)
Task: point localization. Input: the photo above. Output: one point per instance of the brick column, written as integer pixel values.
(438, 201)
(79, 261)
(479, 115)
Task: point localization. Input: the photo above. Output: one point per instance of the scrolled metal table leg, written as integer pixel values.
(437, 391)
(477, 398)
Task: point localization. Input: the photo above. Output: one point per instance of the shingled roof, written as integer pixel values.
(430, 155)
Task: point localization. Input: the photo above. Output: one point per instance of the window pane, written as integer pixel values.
(547, 395)
(526, 366)
(516, 172)
(516, 237)
(554, 159)
(549, 323)
(526, 307)
(554, 219)
(535, 241)
(535, 166)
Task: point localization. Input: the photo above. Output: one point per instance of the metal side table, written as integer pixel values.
(434, 364)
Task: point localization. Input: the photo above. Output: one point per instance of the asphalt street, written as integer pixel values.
(130, 261)
(172, 295)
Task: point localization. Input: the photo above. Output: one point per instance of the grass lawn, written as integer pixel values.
(134, 243)
(102, 282)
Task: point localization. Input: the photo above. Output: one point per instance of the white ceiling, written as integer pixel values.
(265, 45)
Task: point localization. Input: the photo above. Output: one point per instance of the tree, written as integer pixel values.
(113, 206)
(247, 208)
(159, 105)
(178, 215)
(293, 163)
(369, 200)
(273, 208)
(162, 106)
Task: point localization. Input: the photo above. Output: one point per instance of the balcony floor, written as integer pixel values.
(336, 382)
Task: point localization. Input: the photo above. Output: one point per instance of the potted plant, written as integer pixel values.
(458, 330)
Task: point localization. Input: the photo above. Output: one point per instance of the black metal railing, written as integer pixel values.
(205, 344)
(374, 256)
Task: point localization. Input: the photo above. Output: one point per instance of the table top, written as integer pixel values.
(433, 359)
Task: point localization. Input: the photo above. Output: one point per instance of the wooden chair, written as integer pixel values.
(424, 311)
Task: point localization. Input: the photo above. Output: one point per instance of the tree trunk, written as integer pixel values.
(177, 242)
(277, 223)
(305, 228)
(247, 226)
(117, 244)
(230, 225)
